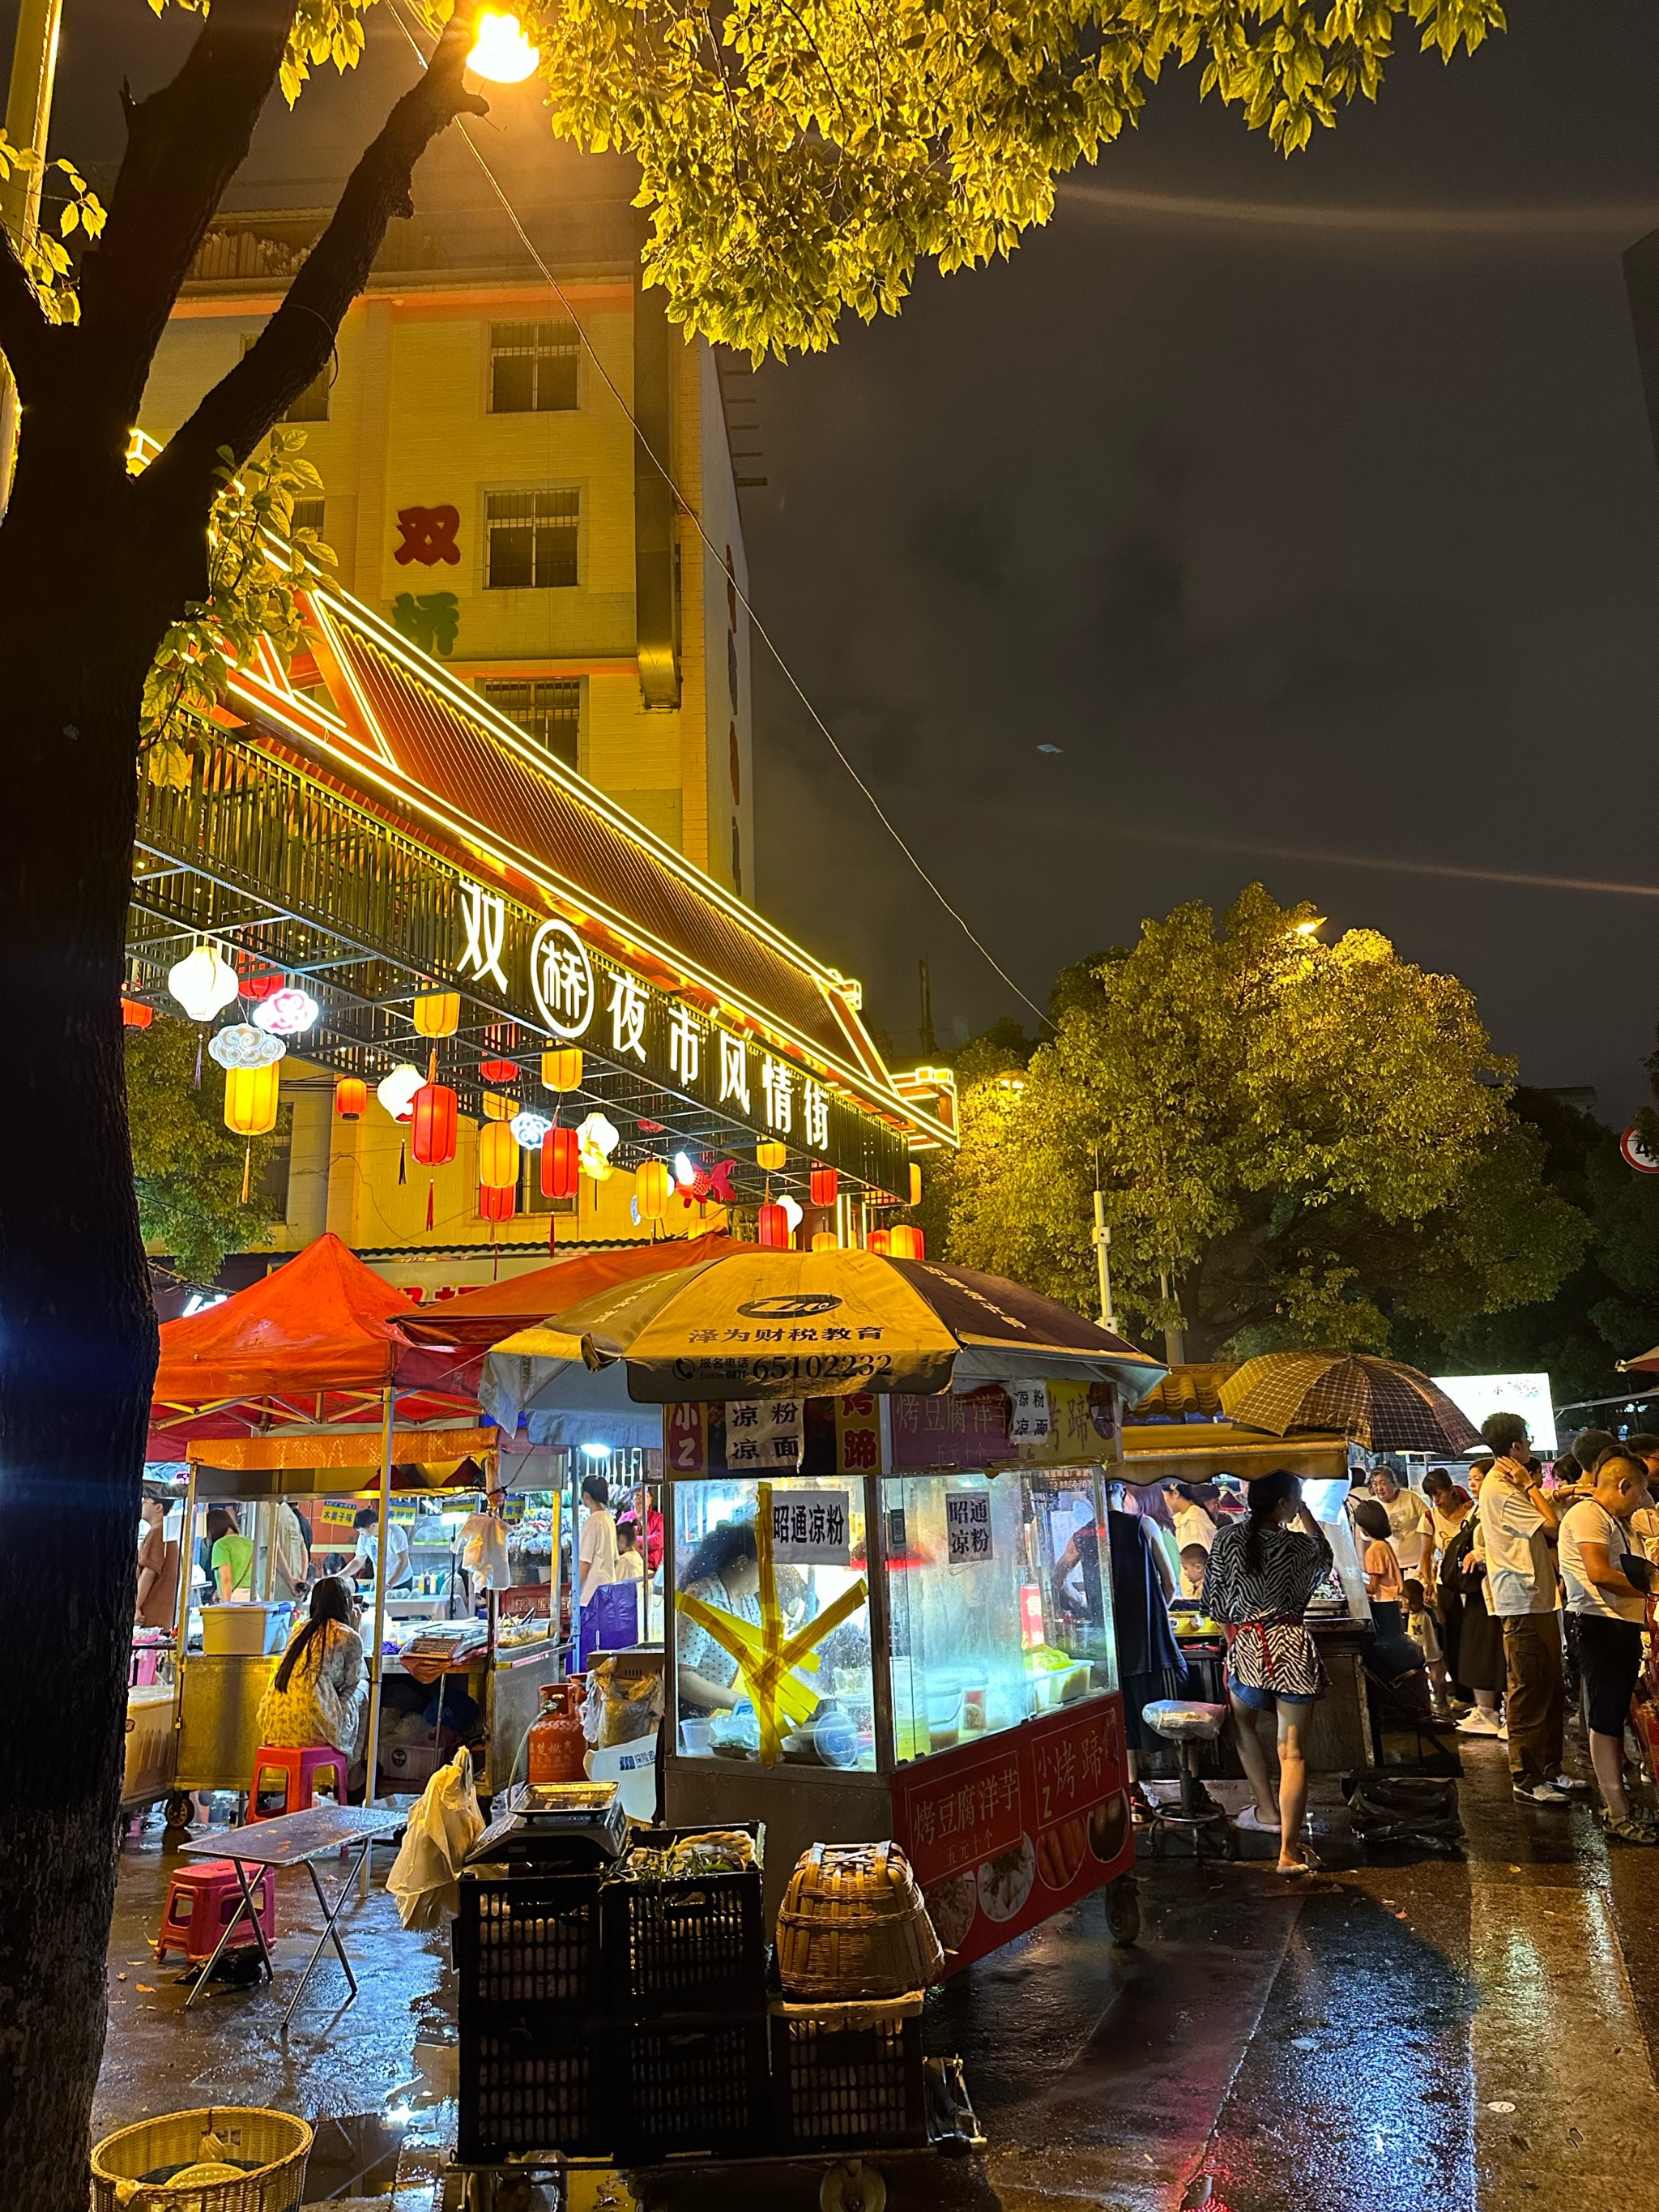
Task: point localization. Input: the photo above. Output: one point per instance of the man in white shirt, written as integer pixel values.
(1518, 1524)
(1610, 1612)
(1410, 1527)
(366, 1524)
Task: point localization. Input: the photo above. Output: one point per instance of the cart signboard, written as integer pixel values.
(1006, 1834)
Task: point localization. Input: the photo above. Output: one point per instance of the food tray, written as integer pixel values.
(693, 1945)
(689, 2085)
(848, 2074)
(530, 1939)
(533, 2083)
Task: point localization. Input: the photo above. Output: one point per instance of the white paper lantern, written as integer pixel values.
(685, 1174)
(286, 1013)
(596, 1139)
(240, 1045)
(791, 1213)
(203, 983)
(396, 1091)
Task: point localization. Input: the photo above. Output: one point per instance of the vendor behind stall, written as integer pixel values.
(724, 1572)
(230, 1556)
(366, 1524)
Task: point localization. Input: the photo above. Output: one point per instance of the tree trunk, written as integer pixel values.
(77, 1329)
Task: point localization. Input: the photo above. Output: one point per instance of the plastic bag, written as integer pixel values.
(442, 1829)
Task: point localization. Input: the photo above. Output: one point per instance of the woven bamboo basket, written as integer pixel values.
(852, 1925)
(221, 2142)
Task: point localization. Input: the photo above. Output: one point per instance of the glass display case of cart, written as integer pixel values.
(1000, 1605)
(821, 1706)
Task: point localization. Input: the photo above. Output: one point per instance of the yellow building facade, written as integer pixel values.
(484, 489)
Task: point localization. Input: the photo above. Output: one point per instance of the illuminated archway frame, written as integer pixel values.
(370, 984)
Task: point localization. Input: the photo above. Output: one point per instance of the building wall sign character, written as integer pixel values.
(685, 1039)
(562, 978)
(734, 1071)
(429, 536)
(627, 1011)
(483, 916)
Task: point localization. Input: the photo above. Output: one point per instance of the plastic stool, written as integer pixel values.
(299, 1768)
(1186, 1723)
(201, 1900)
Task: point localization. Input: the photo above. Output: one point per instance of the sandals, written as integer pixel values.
(1628, 1832)
(1308, 1863)
(1252, 1824)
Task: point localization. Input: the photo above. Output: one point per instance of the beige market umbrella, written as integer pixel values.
(1379, 1403)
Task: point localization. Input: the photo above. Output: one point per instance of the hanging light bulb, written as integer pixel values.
(396, 1091)
(203, 983)
(685, 1173)
(500, 52)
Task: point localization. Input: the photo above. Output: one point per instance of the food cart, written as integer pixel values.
(304, 1388)
(921, 1645)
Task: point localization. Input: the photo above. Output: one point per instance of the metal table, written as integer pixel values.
(295, 1840)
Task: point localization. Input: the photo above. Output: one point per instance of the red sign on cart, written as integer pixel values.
(1006, 1834)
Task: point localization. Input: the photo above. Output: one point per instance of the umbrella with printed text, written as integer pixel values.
(1379, 1403)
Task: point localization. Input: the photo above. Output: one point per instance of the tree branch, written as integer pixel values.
(185, 143)
(299, 339)
(24, 330)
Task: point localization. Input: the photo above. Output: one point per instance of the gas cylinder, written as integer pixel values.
(557, 1747)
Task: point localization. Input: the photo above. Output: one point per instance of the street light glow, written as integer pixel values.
(500, 52)
(1307, 928)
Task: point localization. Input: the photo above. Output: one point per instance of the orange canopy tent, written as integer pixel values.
(319, 1340)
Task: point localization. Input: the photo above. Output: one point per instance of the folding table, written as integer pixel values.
(295, 1840)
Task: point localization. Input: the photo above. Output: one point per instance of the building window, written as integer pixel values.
(308, 515)
(533, 367)
(547, 709)
(532, 540)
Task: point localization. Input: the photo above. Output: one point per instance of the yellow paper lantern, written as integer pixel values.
(498, 1157)
(497, 1108)
(904, 1243)
(826, 1241)
(438, 1014)
(915, 1184)
(562, 1070)
(251, 1097)
(770, 1154)
(652, 1187)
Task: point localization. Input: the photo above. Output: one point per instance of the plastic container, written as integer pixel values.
(530, 1939)
(235, 1632)
(689, 2085)
(697, 1735)
(534, 2082)
(697, 1945)
(845, 2076)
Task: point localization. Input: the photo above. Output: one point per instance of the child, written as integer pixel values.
(1193, 1561)
(1423, 1630)
(1384, 1583)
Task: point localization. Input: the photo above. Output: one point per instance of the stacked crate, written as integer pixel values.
(611, 2018)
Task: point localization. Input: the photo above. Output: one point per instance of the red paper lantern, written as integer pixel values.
(826, 1185)
(260, 986)
(136, 1015)
(350, 1098)
(906, 1243)
(499, 1070)
(495, 1205)
(773, 1227)
(879, 1240)
(433, 1125)
(561, 1164)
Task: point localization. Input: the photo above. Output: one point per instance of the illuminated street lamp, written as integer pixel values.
(500, 52)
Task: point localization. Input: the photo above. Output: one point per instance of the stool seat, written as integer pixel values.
(296, 1767)
(1184, 1720)
(202, 1900)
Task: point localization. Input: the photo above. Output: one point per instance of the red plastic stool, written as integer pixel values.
(201, 1900)
(299, 1769)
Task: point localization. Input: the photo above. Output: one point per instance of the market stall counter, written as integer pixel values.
(898, 1648)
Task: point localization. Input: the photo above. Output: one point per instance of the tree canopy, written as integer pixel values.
(1299, 1143)
(188, 1168)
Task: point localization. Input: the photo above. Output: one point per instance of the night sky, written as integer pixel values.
(1309, 509)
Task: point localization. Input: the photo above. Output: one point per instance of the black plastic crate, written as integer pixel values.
(529, 1939)
(692, 1946)
(847, 2075)
(683, 2085)
(534, 2082)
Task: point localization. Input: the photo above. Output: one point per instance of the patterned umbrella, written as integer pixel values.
(1378, 1402)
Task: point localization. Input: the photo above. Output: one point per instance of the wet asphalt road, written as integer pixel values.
(1392, 2036)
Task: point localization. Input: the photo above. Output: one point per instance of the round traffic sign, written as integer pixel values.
(1638, 1153)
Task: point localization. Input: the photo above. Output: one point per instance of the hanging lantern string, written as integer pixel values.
(247, 1168)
